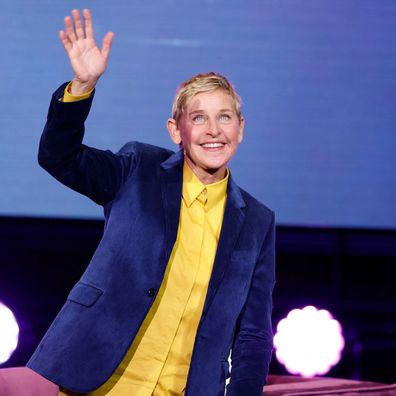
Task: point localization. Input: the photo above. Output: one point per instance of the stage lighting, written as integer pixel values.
(308, 341)
(9, 331)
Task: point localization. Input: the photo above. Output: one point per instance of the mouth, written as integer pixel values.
(213, 146)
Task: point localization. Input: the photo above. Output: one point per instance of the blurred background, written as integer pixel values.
(318, 83)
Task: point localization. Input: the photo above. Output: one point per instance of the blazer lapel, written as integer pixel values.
(232, 223)
(171, 184)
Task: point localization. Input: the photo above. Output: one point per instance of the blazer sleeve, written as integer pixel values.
(253, 342)
(98, 174)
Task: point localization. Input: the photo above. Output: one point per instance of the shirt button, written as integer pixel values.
(151, 292)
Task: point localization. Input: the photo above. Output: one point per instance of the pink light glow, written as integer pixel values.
(309, 341)
(9, 331)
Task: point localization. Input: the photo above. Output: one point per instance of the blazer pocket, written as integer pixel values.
(84, 294)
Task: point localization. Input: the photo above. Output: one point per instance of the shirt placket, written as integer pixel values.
(191, 241)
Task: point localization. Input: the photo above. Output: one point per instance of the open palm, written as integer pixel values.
(87, 60)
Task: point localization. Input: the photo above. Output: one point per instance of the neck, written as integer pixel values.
(207, 177)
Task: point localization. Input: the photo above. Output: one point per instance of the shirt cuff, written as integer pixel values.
(68, 97)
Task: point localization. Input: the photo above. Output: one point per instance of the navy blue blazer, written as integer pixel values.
(140, 189)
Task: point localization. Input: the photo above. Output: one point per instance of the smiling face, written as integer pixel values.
(209, 130)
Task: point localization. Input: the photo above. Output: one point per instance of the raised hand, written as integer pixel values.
(87, 60)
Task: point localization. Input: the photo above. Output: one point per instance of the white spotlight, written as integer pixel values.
(308, 341)
(9, 332)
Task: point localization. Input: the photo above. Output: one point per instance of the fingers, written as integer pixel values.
(65, 40)
(74, 26)
(69, 29)
(88, 23)
(106, 46)
(78, 28)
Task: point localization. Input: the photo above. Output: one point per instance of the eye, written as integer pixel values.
(199, 119)
(225, 118)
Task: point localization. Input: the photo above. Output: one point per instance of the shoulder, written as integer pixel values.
(254, 204)
(259, 214)
(145, 151)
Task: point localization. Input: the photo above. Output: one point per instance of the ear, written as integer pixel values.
(241, 126)
(173, 130)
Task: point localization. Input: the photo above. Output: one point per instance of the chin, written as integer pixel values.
(211, 168)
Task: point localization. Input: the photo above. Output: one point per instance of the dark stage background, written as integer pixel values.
(347, 271)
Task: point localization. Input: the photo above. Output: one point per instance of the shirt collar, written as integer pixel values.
(193, 187)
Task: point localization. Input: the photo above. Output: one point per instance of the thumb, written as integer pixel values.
(106, 46)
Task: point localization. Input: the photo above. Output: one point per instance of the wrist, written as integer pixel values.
(78, 88)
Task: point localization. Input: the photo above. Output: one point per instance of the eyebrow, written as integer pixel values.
(203, 111)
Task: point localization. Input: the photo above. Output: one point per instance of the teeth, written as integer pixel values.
(212, 145)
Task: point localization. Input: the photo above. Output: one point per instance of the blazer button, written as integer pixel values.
(151, 292)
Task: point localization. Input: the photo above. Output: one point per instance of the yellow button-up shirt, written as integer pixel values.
(158, 361)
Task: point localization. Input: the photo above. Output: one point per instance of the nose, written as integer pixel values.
(214, 128)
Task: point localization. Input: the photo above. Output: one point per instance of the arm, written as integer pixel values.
(95, 173)
(252, 349)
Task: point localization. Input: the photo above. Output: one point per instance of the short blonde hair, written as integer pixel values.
(204, 82)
